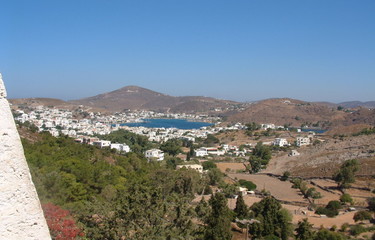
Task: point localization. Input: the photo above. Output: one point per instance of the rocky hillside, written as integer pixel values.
(323, 159)
(295, 112)
(136, 98)
(355, 104)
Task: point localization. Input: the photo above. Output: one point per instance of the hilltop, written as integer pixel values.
(137, 98)
(296, 112)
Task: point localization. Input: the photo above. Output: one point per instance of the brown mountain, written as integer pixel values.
(296, 112)
(137, 98)
(355, 104)
(33, 102)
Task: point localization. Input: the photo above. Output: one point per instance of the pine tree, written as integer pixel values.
(218, 222)
(241, 209)
(304, 230)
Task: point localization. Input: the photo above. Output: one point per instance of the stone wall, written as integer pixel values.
(21, 216)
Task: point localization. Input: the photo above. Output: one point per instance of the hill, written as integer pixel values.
(40, 101)
(137, 98)
(295, 112)
(355, 104)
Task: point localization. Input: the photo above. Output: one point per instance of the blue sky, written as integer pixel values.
(244, 50)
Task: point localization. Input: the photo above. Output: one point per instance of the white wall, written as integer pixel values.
(21, 216)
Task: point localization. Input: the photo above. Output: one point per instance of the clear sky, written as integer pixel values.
(244, 50)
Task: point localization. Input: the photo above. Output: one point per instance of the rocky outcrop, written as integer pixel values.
(21, 216)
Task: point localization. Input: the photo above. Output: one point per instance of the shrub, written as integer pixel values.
(362, 215)
(247, 184)
(357, 229)
(346, 198)
(208, 165)
(333, 205)
(285, 176)
(371, 204)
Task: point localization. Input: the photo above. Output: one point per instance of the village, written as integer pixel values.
(230, 155)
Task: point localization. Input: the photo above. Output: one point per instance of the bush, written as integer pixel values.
(326, 211)
(296, 182)
(357, 229)
(344, 227)
(333, 205)
(208, 165)
(247, 184)
(285, 176)
(346, 198)
(371, 204)
(362, 215)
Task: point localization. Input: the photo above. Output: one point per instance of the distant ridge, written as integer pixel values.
(355, 104)
(296, 112)
(138, 98)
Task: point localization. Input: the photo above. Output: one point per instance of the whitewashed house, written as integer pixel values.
(281, 142)
(294, 153)
(155, 154)
(102, 143)
(266, 126)
(302, 141)
(120, 147)
(201, 152)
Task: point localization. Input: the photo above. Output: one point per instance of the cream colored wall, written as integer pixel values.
(21, 216)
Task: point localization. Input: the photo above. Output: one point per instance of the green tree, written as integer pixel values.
(285, 176)
(362, 215)
(346, 175)
(208, 165)
(304, 231)
(218, 222)
(202, 209)
(311, 192)
(211, 140)
(324, 234)
(273, 220)
(172, 147)
(263, 152)
(371, 204)
(346, 198)
(215, 176)
(247, 184)
(255, 164)
(241, 210)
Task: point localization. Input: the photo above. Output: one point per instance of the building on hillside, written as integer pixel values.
(196, 167)
(102, 143)
(156, 154)
(215, 151)
(201, 152)
(266, 126)
(90, 140)
(293, 153)
(121, 147)
(281, 142)
(242, 191)
(302, 141)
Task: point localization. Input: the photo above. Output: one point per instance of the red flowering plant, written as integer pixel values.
(61, 224)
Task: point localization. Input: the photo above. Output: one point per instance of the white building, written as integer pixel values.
(102, 143)
(266, 126)
(155, 154)
(201, 152)
(294, 153)
(120, 147)
(302, 141)
(281, 142)
(196, 167)
(215, 151)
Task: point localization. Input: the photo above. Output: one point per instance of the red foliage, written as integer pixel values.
(61, 224)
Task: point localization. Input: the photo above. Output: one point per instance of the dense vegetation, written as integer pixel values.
(114, 196)
(92, 193)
